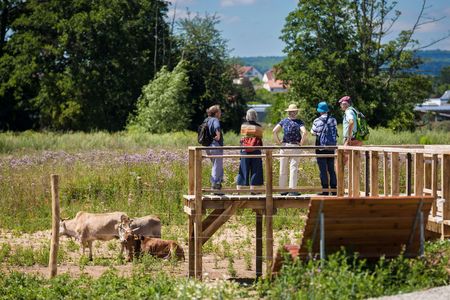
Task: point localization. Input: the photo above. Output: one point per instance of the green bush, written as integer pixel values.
(344, 277)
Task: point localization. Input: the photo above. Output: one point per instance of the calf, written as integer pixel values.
(136, 245)
(88, 227)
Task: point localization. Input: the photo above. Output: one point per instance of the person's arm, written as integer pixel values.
(217, 137)
(275, 131)
(304, 133)
(349, 132)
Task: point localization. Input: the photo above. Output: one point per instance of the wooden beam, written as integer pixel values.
(259, 244)
(385, 174)
(374, 160)
(340, 173)
(191, 245)
(211, 217)
(350, 172)
(220, 220)
(269, 213)
(418, 174)
(395, 174)
(198, 214)
(434, 183)
(356, 171)
(445, 179)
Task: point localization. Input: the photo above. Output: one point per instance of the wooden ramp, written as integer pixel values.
(371, 226)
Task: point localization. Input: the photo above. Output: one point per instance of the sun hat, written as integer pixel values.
(322, 107)
(292, 107)
(345, 99)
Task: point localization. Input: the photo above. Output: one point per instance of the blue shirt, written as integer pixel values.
(291, 130)
(319, 124)
(214, 125)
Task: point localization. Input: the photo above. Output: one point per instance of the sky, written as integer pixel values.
(253, 27)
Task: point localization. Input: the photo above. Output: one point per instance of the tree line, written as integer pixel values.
(82, 65)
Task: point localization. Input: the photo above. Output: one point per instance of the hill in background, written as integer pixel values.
(433, 61)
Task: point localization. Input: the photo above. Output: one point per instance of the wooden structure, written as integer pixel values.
(370, 226)
(372, 171)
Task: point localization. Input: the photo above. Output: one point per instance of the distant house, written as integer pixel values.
(272, 84)
(247, 72)
(440, 107)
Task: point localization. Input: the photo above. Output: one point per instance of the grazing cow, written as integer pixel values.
(88, 227)
(148, 226)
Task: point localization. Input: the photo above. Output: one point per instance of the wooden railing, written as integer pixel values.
(375, 170)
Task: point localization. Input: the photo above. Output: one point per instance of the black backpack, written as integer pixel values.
(204, 137)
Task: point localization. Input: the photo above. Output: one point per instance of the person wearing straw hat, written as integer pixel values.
(294, 135)
(325, 130)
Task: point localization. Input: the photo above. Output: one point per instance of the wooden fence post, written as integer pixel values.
(53, 260)
(445, 178)
(385, 174)
(269, 213)
(356, 166)
(434, 183)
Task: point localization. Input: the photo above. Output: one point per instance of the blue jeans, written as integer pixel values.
(217, 164)
(250, 170)
(326, 168)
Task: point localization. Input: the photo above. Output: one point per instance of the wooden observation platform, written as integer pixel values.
(395, 175)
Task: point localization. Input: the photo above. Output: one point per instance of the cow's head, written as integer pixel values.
(125, 232)
(62, 227)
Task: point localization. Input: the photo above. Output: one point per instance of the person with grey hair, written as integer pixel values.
(250, 168)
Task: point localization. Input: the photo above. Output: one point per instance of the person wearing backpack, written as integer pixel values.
(294, 135)
(216, 136)
(325, 129)
(250, 168)
(350, 124)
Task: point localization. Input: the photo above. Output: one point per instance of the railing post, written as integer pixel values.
(198, 214)
(434, 183)
(356, 166)
(408, 174)
(340, 173)
(445, 178)
(374, 159)
(269, 213)
(367, 182)
(395, 174)
(385, 174)
(418, 174)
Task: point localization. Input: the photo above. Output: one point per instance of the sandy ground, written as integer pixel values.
(215, 265)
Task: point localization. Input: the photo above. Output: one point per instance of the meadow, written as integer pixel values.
(145, 174)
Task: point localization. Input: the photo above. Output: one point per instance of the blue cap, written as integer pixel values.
(322, 107)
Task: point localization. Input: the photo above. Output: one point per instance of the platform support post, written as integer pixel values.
(269, 213)
(191, 191)
(322, 236)
(198, 214)
(258, 260)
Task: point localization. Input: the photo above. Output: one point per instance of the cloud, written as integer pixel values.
(226, 3)
(228, 19)
(180, 2)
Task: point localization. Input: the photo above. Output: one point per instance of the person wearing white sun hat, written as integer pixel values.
(294, 135)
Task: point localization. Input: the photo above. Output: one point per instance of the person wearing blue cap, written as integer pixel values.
(325, 129)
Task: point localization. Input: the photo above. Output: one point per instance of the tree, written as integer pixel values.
(163, 105)
(210, 73)
(336, 48)
(81, 64)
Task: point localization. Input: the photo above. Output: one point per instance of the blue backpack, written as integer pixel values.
(327, 136)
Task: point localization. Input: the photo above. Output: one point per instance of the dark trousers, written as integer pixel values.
(326, 168)
(250, 170)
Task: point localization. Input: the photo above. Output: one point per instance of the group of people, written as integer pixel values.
(324, 128)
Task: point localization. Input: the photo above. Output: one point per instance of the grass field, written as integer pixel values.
(147, 174)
